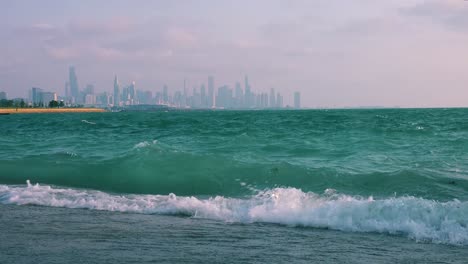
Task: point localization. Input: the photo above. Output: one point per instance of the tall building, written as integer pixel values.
(144, 97)
(124, 95)
(132, 93)
(89, 89)
(272, 98)
(297, 100)
(67, 90)
(264, 100)
(178, 99)
(279, 101)
(116, 92)
(90, 99)
(104, 99)
(196, 98)
(224, 98)
(3, 96)
(88, 96)
(166, 94)
(204, 101)
(249, 97)
(211, 96)
(239, 96)
(36, 96)
(185, 97)
(47, 97)
(158, 98)
(73, 80)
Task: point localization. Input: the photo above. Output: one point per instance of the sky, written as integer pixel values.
(406, 53)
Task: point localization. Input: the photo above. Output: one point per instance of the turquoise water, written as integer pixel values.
(397, 176)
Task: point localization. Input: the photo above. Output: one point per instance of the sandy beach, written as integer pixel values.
(48, 110)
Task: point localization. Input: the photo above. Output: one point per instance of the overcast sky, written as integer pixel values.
(409, 53)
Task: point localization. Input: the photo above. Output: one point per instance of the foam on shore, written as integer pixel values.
(417, 218)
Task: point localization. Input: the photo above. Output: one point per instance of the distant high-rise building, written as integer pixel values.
(144, 97)
(203, 99)
(224, 97)
(104, 99)
(185, 96)
(116, 92)
(73, 80)
(3, 95)
(158, 98)
(249, 96)
(36, 96)
(279, 101)
(178, 99)
(124, 95)
(165, 94)
(211, 96)
(258, 101)
(297, 100)
(89, 89)
(90, 100)
(196, 98)
(132, 93)
(67, 90)
(272, 98)
(264, 103)
(47, 97)
(239, 96)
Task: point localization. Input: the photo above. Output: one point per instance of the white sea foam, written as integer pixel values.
(419, 219)
(145, 144)
(88, 122)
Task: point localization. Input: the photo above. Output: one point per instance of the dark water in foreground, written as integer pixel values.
(265, 186)
(60, 235)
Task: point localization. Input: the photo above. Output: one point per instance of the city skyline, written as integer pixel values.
(217, 96)
(406, 53)
(220, 96)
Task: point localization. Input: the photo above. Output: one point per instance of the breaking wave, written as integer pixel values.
(417, 218)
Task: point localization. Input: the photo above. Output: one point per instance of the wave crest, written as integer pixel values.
(416, 218)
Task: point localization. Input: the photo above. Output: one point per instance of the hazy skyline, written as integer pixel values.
(409, 53)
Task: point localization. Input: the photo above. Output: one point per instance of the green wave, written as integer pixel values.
(380, 153)
(157, 169)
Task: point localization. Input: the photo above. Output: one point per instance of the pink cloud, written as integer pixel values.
(63, 53)
(180, 37)
(116, 25)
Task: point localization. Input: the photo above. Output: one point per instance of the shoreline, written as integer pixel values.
(49, 110)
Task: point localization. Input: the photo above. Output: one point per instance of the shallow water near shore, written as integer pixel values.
(32, 234)
(387, 185)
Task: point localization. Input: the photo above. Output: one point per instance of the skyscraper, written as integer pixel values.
(36, 96)
(3, 96)
(73, 80)
(47, 97)
(124, 95)
(204, 101)
(211, 97)
(224, 98)
(67, 90)
(116, 92)
(132, 93)
(249, 97)
(239, 96)
(89, 89)
(297, 100)
(185, 100)
(279, 101)
(272, 98)
(165, 94)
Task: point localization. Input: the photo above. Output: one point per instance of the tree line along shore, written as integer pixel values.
(20, 107)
